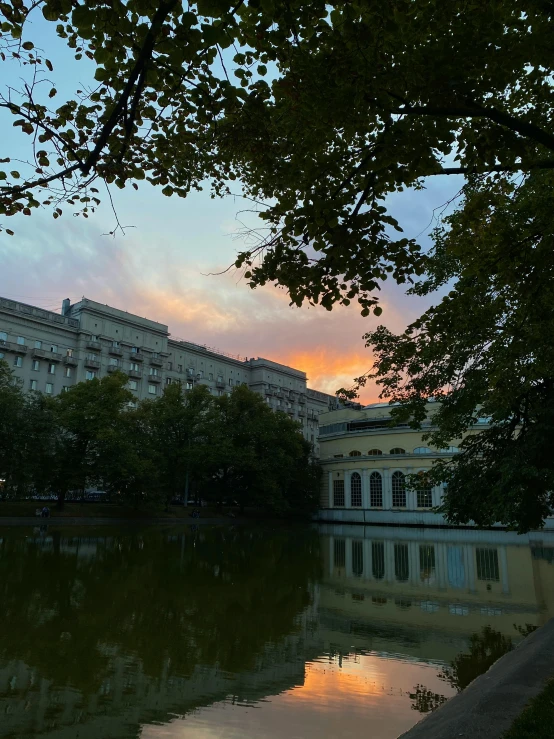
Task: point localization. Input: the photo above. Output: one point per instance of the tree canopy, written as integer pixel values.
(320, 109)
(232, 449)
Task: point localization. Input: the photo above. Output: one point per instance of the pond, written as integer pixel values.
(245, 632)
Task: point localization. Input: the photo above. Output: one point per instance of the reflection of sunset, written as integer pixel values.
(335, 699)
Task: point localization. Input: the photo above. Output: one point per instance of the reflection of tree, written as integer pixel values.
(484, 649)
(425, 701)
(170, 604)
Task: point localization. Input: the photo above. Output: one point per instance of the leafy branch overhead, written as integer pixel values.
(320, 109)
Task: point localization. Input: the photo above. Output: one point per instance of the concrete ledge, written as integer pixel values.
(488, 706)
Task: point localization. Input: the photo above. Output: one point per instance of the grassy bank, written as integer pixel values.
(23, 509)
(537, 720)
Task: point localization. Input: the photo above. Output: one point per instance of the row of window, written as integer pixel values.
(20, 341)
(397, 450)
(398, 481)
(486, 561)
(48, 387)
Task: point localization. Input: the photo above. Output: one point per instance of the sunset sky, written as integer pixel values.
(159, 269)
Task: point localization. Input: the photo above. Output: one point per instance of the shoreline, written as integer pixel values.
(102, 521)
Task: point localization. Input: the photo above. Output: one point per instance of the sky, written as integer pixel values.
(164, 266)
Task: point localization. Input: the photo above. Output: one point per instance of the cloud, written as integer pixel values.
(166, 281)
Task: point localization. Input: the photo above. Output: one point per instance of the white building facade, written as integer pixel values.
(50, 352)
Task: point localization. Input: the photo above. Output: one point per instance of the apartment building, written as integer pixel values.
(49, 352)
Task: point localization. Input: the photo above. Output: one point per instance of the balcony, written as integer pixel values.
(54, 356)
(70, 361)
(302, 399)
(154, 378)
(134, 374)
(38, 353)
(94, 345)
(114, 368)
(136, 357)
(115, 351)
(9, 346)
(268, 391)
(156, 361)
(220, 384)
(301, 413)
(92, 363)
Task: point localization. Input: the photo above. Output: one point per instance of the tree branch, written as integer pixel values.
(474, 110)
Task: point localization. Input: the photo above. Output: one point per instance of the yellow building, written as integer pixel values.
(366, 462)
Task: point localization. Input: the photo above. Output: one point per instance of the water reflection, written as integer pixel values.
(241, 632)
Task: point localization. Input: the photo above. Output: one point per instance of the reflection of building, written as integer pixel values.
(366, 462)
(429, 590)
(51, 351)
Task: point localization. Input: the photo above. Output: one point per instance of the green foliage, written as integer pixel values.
(486, 351)
(537, 719)
(228, 449)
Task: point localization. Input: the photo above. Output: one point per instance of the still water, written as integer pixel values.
(242, 632)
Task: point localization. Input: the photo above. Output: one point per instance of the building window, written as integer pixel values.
(135, 350)
(424, 496)
(398, 490)
(113, 362)
(90, 374)
(3, 336)
(67, 372)
(54, 348)
(189, 385)
(358, 558)
(422, 450)
(220, 378)
(168, 380)
(397, 450)
(179, 368)
(230, 381)
(374, 452)
(51, 368)
(450, 449)
(65, 388)
(49, 388)
(375, 490)
(336, 456)
(338, 493)
(36, 365)
(155, 355)
(38, 344)
(211, 376)
(21, 340)
(33, 385)
(134, 366)
(69, 352)
(133, 384)
(115, 344)
(487, 565)
(378, 559)
(154, 371)
(339, 553)
(152, 389)
(18, 362)
(355, 490)
(401, 563)
(427, 563)
(169, 366)
(355, 453)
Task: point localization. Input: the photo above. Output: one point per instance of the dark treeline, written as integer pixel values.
(227, 450)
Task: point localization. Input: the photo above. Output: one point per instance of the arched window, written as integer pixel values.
(375, 490)
(398, 490)
(374, 452)
(355, 453)
(450, 450)
(397, 450)
(422, 450)
(355, 490)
